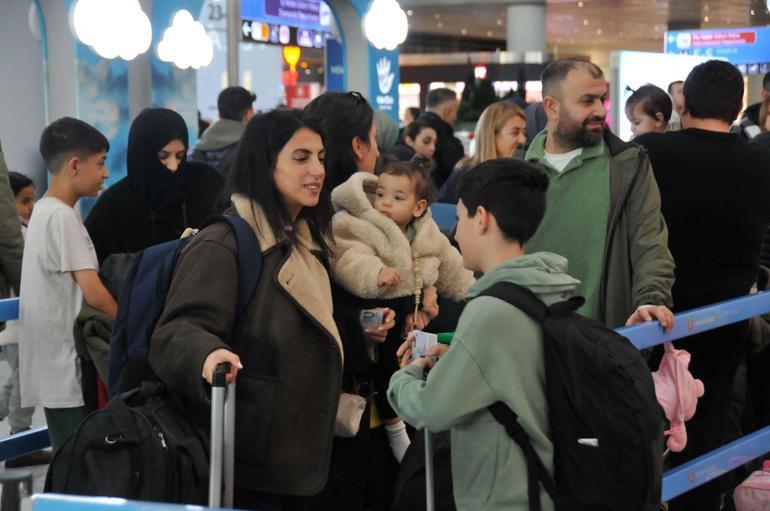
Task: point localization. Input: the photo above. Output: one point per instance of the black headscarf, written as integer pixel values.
(150, 180)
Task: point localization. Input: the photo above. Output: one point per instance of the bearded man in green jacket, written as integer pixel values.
(603, 210)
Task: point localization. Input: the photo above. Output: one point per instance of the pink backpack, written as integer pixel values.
(677, 392)
(753, 494)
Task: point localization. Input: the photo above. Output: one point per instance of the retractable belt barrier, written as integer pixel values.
(675, 482)
(709, 466)
(55, 502)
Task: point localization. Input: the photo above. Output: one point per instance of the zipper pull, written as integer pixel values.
(162, 439)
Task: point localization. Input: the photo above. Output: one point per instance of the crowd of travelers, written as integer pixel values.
(339, 201)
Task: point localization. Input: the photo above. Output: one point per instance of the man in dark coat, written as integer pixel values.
(218, 144)
(713, 188)
(440, 114)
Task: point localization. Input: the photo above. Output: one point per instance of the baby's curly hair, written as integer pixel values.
(418, 170)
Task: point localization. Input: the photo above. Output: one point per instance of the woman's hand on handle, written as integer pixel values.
(217, 357)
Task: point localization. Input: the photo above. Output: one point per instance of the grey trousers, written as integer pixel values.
(10, 395)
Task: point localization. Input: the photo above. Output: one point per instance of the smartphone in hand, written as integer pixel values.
(371, 318)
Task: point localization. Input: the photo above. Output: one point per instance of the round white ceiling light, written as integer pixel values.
(113, 28)
(186, 43)
(386, 24)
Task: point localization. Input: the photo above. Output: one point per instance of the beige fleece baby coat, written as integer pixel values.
(365, 241)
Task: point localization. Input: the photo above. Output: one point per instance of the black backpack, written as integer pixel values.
(409, 490)
(606, 424)
(142, 446)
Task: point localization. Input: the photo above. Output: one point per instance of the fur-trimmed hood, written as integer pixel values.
(365, 241)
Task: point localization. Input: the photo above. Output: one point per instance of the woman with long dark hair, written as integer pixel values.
(285, 347)
(350, 134)
(362, 469)
(162, 193)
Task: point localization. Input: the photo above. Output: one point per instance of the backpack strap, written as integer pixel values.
(120, 414)
(520, 297)
(529, 303)
(526, 301)
(536, 471)
(249, 259)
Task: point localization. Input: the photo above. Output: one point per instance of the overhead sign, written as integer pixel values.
(309, 14)
(303, 11)
(269, 33)
(739, 46)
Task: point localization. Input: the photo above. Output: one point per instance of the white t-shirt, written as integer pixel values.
(560, 161)
(57, 244)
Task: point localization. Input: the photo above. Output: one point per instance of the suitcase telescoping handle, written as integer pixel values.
(222, 456)
(430, 498)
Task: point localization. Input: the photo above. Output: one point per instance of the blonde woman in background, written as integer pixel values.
(502, 128)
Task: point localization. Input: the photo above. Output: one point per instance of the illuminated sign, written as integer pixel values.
(261, 32)
(304, 23)
(738, 46)
(309, 14)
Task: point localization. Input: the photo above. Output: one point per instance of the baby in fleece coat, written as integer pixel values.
(389, 251)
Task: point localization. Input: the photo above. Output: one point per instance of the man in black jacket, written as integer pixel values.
(440, 114)
(713, 188)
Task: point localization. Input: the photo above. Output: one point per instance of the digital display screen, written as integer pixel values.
(737, 46)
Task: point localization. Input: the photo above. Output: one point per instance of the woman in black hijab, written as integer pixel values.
(162, 193)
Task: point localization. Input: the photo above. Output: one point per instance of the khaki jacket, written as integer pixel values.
(11, 241)
(638, 267)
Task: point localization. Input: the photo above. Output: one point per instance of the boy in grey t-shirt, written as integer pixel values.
(59, 270)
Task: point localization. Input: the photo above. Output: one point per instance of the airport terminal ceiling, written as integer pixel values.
(574, 25)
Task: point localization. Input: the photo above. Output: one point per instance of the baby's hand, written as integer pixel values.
(430, 302)
(388, 277)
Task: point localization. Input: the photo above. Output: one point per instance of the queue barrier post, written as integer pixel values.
(676, 481)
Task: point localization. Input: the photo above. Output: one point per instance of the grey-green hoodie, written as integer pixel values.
(221, 135)
(496, 355)
(219, 143)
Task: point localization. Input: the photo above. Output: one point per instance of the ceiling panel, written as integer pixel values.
(605, 24)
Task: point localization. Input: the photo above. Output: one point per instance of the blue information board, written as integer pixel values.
(308, 14)
(749, 45)
(335, 66)
(384, 77)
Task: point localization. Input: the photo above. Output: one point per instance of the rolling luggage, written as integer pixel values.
(222, 441)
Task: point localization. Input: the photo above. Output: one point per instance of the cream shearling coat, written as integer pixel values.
(365, 241)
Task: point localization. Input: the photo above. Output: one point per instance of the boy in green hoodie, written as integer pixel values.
(497, 351)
